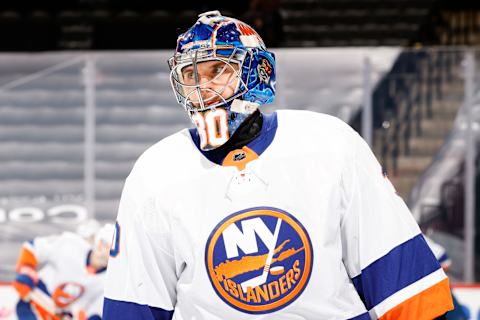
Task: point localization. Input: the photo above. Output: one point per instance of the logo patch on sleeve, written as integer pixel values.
(259, 260)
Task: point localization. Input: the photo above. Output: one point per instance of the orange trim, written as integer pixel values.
(82, 315)
(239, 158)
(217, 120)
(214, 38)
(26, 258)
(91, 270)
(59, 296)
(216, 127)
(245, 29)
(42, 313)
(22, 289)
(63, 299)
(426, 305)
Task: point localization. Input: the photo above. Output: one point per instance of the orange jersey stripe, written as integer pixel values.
(27, 258)
(22, 289)
(426, 305)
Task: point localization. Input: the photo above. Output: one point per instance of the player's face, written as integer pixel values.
(216, 80)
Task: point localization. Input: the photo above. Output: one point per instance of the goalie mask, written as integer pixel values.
(221, 73)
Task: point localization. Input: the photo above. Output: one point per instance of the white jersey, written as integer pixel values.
(311, 229)
(63, 267)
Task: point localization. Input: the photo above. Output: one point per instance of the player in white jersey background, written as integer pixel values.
(262, 216)
(62, 276)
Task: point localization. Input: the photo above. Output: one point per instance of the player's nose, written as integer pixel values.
(207, 88)
(205, 81)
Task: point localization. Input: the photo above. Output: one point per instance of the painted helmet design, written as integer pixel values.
(221, 73)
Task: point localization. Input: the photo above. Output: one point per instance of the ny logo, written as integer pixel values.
(246, 240)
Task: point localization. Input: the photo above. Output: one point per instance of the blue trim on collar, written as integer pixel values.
(259, 144)
(265, 138)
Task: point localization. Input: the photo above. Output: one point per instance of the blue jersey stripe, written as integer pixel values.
(118, 310)
(24, 279)
(363, 316)
(402, 266)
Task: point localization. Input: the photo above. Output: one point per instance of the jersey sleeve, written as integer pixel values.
(141, 275)
(391, 266)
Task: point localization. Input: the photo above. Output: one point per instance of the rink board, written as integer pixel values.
(469, 296)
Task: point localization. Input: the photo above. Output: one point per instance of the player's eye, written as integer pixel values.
(218, 69)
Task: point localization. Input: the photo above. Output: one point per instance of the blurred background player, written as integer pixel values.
(67, 269)
(440, 253)
(415, 53)
(88, 230)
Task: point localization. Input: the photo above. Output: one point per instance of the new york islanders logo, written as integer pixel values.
(259, 260)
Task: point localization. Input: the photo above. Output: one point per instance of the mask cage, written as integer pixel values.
(233, 58)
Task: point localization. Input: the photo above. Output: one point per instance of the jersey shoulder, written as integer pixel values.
(315, 131)
(169, 149)
(313, 122)
(166, 161)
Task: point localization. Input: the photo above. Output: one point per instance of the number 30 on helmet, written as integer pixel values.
(221, 73)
